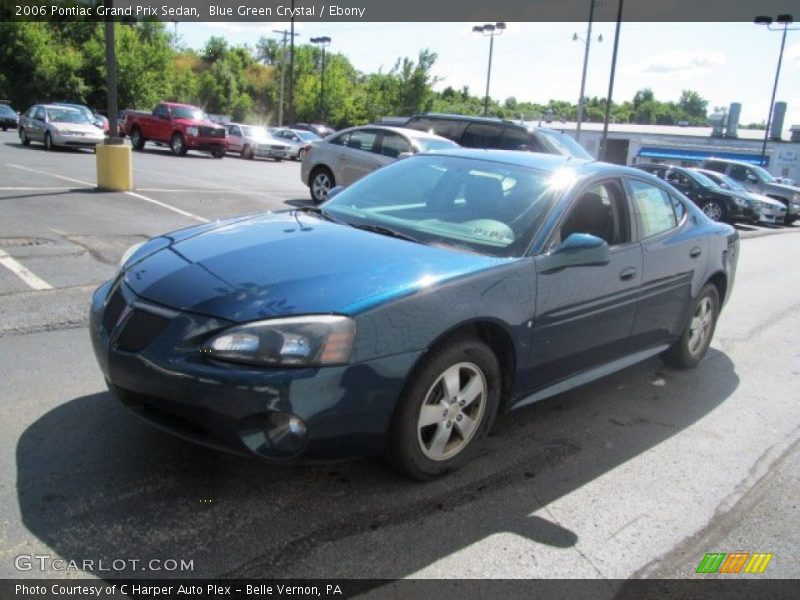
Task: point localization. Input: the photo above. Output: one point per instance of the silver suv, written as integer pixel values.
(758, 179)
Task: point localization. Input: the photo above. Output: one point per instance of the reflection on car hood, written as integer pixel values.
(293, 263)
(88, 128)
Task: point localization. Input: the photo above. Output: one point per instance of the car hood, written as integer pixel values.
(782, 187)
(293, 263)
(198, 123)
(88, 128)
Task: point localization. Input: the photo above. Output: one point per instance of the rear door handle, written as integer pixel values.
(627, 274)
(695, 252)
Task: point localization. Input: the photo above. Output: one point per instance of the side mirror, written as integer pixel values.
(335, 191)
(578, 250)
(751, 178)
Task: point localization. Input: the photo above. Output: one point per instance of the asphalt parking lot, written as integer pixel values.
(641, 473)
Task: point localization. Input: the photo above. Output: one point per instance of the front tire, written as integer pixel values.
(23, 137)
(177, 145)
(48, 141)
(300, 154)
(448, 405)
(217, 153)
(693, 344)
(714, 210)
(247, 152)
(321, 182)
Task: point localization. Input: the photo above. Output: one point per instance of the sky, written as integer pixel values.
(723, 62)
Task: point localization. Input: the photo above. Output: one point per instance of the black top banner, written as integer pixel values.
(396, 10)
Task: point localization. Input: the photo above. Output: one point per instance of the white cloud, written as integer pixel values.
(792, 53)
(678, 64)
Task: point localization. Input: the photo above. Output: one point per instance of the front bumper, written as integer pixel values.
(266, 151)
(206, 144)
(158, 371)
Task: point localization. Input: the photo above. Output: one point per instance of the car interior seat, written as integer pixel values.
(591, 215)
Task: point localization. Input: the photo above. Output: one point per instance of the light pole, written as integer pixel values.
(784, 20)
(491, 31)
(604, 139)
(587, 42)
(322, 42)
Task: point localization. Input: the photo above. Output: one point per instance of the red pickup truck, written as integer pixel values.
(182, 126)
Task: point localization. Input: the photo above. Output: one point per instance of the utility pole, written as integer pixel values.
(586, 42)
(322, 42)
(291, 69)
(286, 35)
(604, 140)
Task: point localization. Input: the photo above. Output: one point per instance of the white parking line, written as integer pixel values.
(33, 189)
(132, 194)
(168, 207)
(37, 283)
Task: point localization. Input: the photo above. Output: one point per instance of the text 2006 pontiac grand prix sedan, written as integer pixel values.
(400, 316)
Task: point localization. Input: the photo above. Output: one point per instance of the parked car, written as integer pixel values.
(299, 140)
(350, 154)
(318, 128)
(772, 212)
(484, 132)
(9, 118)
(403, 314)
(786, 181)
(250, 141)
(182, 126)
(758, 179)
(92, 116)
(716, 203)
(57, 125)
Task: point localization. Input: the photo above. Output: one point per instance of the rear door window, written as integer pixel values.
(452, 129)
(482, 135)
(654, 208)
(514, 138)
(393, 145)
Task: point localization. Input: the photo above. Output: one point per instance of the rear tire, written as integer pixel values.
(48, 141)
(137, 141)
(217, 153)
(447, 407)
(300, 154)
(247, 152)
(320, 183)
(693, 344)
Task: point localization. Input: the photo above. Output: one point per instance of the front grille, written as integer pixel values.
(113, 309)
(284, 148)
(216, 132)
(140, 330)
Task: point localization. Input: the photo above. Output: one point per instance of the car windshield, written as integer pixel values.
(727, 182)
(479, 206)
(560, 143)
(308, 136)
(254, 132)
(6, 110)
(65, 115)
(433, 144)
(763, 173)
(702, 179)
(189, 112)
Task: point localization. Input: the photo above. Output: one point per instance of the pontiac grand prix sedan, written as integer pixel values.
(400, 316)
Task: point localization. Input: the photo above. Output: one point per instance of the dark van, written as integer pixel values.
(486, 132)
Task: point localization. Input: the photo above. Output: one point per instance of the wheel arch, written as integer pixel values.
(720, 281)
(491, 332)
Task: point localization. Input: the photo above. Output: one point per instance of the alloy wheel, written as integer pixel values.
(700, 327)
(452, 411)
(713, 211)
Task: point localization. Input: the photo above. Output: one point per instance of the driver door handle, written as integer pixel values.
(628, 274)
(695, 252)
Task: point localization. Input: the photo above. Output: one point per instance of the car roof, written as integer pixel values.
(730, 161)
(412, 133)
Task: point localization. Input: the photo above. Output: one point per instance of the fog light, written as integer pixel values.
(285, 433)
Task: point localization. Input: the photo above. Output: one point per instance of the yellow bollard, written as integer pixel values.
(114, 168)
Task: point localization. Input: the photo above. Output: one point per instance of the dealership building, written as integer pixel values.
(686, 146)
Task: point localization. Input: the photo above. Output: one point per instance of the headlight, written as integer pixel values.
(128, 253)
(739, 201)
(313, 340)
(191, 131)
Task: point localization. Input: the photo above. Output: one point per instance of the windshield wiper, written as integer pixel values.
(385, 231)
(318, 211)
